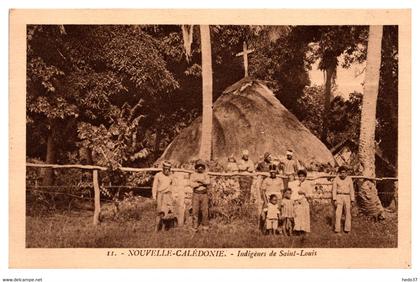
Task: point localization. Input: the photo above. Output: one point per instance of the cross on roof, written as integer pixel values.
(245, 53)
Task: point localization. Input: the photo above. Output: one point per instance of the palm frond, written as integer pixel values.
(187, 36)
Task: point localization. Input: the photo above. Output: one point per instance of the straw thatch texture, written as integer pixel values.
(249, 116)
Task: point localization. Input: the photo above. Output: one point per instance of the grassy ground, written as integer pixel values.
(75, 230)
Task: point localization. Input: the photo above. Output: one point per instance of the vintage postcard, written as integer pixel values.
(210, 139)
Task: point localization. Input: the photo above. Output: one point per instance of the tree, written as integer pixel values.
(344, 112)
(207, 85)
(387, 113)
(84, 77)
(104, 83)
(328, 64)
(351, 41)
(207, 77)
(47, 107)
(330, 43)
(368, 194)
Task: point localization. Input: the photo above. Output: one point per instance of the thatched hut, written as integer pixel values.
(248, 116)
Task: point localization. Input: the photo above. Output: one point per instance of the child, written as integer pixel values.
(272, 215)
(343, 197)
(287, 212)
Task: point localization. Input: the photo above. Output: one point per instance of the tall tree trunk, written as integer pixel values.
(48, 173)
(207, 81)
(327, 103)
(370, 202)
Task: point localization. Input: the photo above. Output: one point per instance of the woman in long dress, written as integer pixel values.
(301, 189)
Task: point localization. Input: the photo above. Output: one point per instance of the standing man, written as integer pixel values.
(162, 192)
(343, 197)
(245, 165)
(200, 182)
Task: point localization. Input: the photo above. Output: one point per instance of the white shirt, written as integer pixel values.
(161, 183)
(272, 211)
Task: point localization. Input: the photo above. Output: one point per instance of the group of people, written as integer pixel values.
(281, 198)
(287, 166)
(169, 194)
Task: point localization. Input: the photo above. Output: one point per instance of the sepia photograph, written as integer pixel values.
(188, 139)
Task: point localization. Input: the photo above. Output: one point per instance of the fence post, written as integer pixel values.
(97, 198)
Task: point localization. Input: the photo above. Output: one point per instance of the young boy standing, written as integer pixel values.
(343, 198)
(272, 215)
(287, 212)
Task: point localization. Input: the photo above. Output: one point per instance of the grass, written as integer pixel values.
(75, 230)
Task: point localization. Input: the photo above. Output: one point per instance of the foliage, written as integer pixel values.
(387, 106)
(109, 70)
(283, 63)
(122, 93)
(225, 200)
(330, 42)
(327, 43)
(116, 145)
(344, 112)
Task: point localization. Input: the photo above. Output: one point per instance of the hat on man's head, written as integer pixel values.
(266, 155)
(199, 163)
(245, 152)
(289, 152)
(166, 164)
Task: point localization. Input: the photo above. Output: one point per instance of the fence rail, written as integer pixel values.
(95, 169)
(211, 173)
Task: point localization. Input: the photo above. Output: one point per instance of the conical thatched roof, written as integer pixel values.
(248, 116)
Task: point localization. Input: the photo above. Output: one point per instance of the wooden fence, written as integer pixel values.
(96, 169)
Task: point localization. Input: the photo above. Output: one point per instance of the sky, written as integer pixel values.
(347, 80)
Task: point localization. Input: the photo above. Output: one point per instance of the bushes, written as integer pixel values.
(227, 201)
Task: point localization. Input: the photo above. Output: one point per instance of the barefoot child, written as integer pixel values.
(272, 215)
(287, 212)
